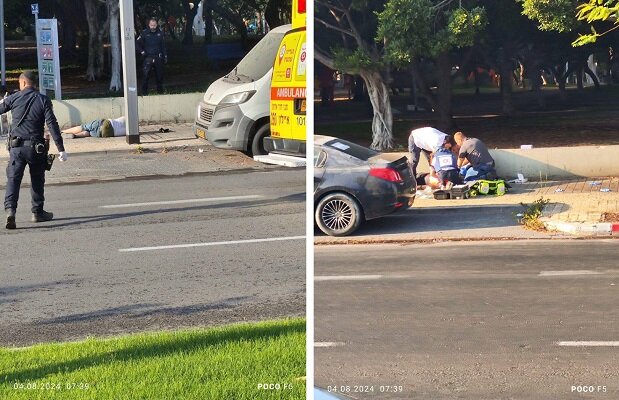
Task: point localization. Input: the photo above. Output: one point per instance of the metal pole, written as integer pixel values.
(39, 56)
(130, 81)
(2, 50)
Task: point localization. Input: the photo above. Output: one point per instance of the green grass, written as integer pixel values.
(219, 363)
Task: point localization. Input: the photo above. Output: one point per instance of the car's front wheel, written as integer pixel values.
(338, 214)
(257, 144)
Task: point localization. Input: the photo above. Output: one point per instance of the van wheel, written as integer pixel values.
(257, 143)
(338, 214)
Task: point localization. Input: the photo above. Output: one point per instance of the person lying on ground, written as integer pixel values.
(474, 154)
(97, 128)
(428, 179)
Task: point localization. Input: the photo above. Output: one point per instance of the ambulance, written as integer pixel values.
(234, 111)
(286, 144)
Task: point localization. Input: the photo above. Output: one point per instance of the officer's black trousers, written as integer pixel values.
(19, 158)
(151, 63)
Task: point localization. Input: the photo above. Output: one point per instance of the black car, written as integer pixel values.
(353, 183)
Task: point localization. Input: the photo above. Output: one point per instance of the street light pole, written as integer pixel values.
(130, 81)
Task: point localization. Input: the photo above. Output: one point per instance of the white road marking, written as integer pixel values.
(205, 200)
(346, 278)
(589, 344)
(569, 273)
(183, 246)
(328, 344)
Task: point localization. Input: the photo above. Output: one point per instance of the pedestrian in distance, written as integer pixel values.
(424, 140)
(151, 45)
(474, 154)
(26, 145)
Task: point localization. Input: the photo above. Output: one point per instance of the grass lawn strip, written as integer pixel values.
(219, 363)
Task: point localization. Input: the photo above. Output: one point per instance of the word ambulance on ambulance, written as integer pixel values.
(286, 144)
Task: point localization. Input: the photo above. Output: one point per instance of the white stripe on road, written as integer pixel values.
(589, 344)
(569, 273)
(328, 344)
(183, 246)
(205, 200)
(346, 278)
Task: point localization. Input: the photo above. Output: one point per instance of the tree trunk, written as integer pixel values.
(421, 85)
(235, 19)
(272, 13)
(190, 15)
(207, 16)
(506, 85)
(378, 93)
(579, 83)
(559, 73)
(93, 31)
(444, 105)
(594, 78)
(69, 42)
(100, 53)
(382, 122)
(114, 18)
(571, 67)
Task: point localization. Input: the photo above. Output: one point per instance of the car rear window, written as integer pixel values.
(360, 152)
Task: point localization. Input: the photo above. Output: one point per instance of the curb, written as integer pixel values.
(130, 150)
(579, 228)
(405, 241)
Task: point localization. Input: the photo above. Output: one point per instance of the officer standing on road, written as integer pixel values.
(26, 145)
(151, 44)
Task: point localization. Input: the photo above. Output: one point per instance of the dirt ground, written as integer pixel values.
(588, 117)
(610, 217)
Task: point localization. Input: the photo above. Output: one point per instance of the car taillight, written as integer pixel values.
(301, 7)
(387, 174)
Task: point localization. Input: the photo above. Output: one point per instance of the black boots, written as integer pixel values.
(42, 216)
(10, 219)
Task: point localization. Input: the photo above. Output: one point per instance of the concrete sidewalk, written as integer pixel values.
(582, 207)
(180, 136)
(577, 208)
(175, 153)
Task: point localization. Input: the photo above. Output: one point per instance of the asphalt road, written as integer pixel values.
(99, 269)
(469, 320)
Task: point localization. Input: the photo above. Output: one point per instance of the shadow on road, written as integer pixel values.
(82, 220)
(7, 292)
(429, 219)
(147, 310)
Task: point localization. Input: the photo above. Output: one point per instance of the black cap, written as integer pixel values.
(30, 75)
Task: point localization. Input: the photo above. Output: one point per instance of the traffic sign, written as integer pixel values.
(35, 8)
(49, 57)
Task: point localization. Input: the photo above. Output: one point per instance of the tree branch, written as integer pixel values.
(330, 6)
(323, 57)
(333, 27)
(355, 31)
(442, 4)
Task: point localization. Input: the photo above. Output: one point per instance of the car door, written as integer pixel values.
(320, 159)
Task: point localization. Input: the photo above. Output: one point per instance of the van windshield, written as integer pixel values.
(260, 59)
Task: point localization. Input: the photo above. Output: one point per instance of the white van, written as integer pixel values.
(234, 113)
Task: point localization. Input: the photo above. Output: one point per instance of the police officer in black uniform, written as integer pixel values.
(30, 111)
(151, 44)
